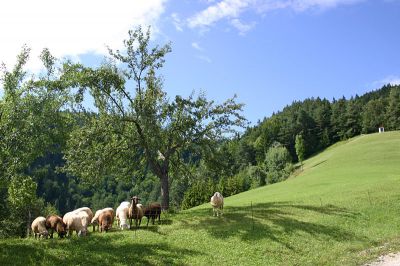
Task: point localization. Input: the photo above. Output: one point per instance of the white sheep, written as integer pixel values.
(122, 213)
(217, 202)
(39, 227)
(88, 211)
(95, 220)
(76, 221)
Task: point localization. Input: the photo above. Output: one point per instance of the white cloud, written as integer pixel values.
(70, 28)
(243, 28)
(196, 46)
(232, 9)
(177, 22)
(216, 12)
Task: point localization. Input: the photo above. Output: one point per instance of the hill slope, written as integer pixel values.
(342, 209)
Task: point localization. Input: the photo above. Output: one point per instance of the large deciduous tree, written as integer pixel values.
(136, 126)
(31, 125)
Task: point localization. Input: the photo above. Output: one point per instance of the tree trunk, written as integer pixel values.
(164, 191)
(28, 224)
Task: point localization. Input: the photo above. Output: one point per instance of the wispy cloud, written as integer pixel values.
(233, 9)
(71, 28)
(177, 22)
(243, 28)
(218, 11)
(196, 46)
(204, 58)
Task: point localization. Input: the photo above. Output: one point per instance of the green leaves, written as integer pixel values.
(300, 148)
(136, 124)
(21, 191)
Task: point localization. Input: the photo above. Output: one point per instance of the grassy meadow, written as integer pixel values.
(342, 209)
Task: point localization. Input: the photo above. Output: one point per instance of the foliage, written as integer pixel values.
(278, 163)
(300, 148)
(199, 193)
(140, 128)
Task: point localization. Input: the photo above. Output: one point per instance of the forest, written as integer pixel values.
(58, 154)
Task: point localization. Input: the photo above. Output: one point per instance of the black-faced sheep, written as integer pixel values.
(39, 227)
(217, 202)
(55, 223)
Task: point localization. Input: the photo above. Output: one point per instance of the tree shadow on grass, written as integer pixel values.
(93, 251)
(272, 221)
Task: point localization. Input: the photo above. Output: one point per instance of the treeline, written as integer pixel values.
(264, 153)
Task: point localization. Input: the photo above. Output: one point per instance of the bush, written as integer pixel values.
(278, 164)
(200, 192)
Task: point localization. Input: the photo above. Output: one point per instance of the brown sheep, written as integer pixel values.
(153, 211)
(55, 223)
(136, 211)
(106, 219)
(95, 220)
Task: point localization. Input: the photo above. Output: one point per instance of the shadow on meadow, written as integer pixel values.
(111, 250)
(272, 221)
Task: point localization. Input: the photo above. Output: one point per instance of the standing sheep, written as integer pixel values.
(152, 211)
(55, 223)
(39, 227)
(217, 202)
(136, 211)
(122, 214)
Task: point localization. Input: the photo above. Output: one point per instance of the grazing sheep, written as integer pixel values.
(152, 211)
(95, 220)
(217, 202)
(55, 223)
(136, 211)
(39, 227)
(88, 211)
(122, 214)
(78, 221)
(106, 219)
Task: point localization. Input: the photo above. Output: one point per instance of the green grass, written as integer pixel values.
(342, 209)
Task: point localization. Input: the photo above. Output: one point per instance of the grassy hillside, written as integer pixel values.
(343, 209)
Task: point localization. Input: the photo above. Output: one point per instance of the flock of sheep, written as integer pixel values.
(79, 219)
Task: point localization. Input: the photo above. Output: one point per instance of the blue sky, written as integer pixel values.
(269, 53)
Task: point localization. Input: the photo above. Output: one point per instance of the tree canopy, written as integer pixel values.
(137, 126)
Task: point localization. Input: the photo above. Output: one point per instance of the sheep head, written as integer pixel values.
(135, 200)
